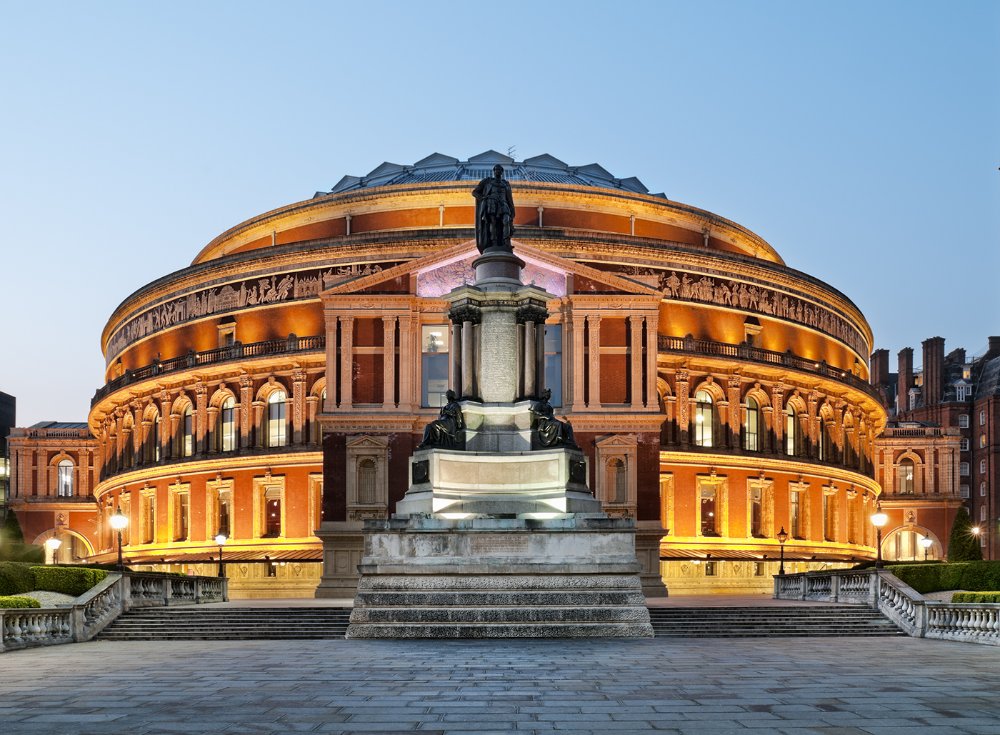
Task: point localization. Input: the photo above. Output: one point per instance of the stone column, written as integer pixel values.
(298, 407)
(245, 410)
(346, 362)
(201, 417)
(530, 362)
(330, 404)
(683, 407)
(456, 359)
(735, 410)
(540, 358)
(389, 361)
(213, 430)
(594, 397)
(778, 421)
(635, 324)
(406, 361)
(577, 357)
(468, 331)
(312, 408)
(652, 347)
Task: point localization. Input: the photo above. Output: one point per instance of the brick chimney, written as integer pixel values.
(933, 370)
(994, 348)
(904, 366)
(880, 367)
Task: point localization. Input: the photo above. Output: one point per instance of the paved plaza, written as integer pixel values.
(843, 686)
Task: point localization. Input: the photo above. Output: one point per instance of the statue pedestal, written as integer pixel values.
(499, 578)
(454, 484)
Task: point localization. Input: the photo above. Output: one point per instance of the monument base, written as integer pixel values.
(572, 577)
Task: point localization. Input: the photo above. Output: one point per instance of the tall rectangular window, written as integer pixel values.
(553, 362)
(756, 512)
(148, 518)
(829, 517)
(434, 339)
(709, 514)
(224, 525)
(795, 514)
(181, 516)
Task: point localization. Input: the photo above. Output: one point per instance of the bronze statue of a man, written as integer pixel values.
(494, 212)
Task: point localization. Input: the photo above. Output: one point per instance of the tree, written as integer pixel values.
(10, 532)
(963, 545)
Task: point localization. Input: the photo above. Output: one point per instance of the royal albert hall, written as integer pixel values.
(274, 390)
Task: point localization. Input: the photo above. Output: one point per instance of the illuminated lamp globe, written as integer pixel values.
(221, 539)
(118, 521)
(926, 542)
(879, 519)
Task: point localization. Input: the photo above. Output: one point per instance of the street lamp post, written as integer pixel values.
(927, 544)
(119, 522)
(782, 538)
(221, 540)
(879, 519)
(52, 544)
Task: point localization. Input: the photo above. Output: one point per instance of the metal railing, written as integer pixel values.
(743, 351)
(235, 351)
(903, 605)
(97, 608)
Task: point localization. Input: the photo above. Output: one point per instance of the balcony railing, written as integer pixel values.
(918, 433)
(236, 351)
(690, 345)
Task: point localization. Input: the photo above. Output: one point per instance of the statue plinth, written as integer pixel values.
(498, 267)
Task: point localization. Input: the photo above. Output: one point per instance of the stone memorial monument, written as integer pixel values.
(498, 534)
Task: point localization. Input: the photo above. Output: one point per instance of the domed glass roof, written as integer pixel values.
(438, 167)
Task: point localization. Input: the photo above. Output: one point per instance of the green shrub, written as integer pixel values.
(976, 597)
(966, 575)
(14, 601)
(67, 580)
(22, 552)
(15, 578)
(923, 578)
(10, 531)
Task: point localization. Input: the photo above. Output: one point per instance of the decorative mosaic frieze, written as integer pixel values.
(276, 288)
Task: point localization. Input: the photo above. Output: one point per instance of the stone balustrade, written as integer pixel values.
(93, 611)
(904, 606)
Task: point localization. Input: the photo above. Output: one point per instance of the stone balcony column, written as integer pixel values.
(456, 360)
(577, 361)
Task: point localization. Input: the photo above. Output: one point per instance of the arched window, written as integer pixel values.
(227, 425)
(187, 432)
(366, 482)
(751, 427)
(619, 481)
(703, 415)
(904, 477)
(791, 430)
(276, 419)
(64, 484)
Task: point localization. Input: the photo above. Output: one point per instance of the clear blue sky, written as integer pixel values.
(861, 139)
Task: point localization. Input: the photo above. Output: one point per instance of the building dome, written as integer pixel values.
(275, 387)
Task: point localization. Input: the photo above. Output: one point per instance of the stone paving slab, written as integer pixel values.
(847, 686)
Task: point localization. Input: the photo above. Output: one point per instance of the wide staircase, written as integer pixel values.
(770, 622)
(229, 624)
(305, 623)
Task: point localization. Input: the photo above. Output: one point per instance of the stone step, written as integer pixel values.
(497, 615)
(490, 630)
(554, 598)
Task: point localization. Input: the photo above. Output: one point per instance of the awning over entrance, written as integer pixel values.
(715, 553)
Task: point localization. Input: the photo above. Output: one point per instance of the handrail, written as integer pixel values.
(101, 605)
(743, 351)
(235, 351)
(908, 609)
